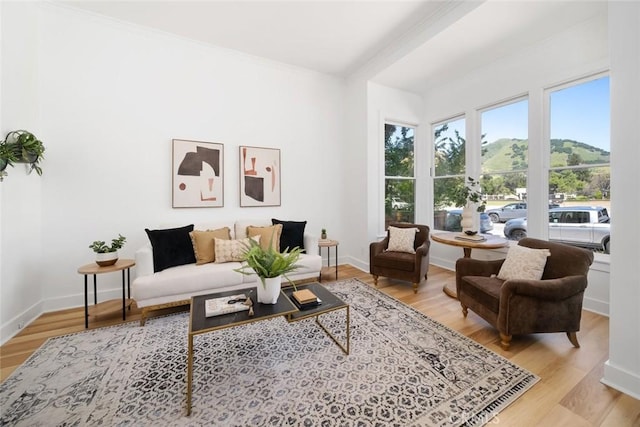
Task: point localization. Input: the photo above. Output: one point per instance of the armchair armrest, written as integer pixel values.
(476, 267)
(423, 249)
(550, 289)
(376, 248)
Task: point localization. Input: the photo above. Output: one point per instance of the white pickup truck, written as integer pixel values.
(586, 226)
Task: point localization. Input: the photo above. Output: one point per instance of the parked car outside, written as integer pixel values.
(510, 211)
(585, 226)
(454, 217)
(398, 204)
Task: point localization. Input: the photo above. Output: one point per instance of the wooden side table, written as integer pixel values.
(106, 306)
(328, 243)
(449, 238)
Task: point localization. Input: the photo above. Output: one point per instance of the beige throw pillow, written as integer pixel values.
(203, 246)
(402, 239)
(267, 234)
(524, 263)
(232, 250)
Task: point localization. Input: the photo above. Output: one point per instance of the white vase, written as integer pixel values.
(106, 258)
(470, 218)
(269, 290)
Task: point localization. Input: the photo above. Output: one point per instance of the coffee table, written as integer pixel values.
(200, 324)
(330, 303)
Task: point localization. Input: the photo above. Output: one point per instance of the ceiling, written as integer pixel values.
(391, 42)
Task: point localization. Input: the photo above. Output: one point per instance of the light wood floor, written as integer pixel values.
(569, 392)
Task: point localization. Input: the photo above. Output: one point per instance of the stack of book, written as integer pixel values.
(305, 299)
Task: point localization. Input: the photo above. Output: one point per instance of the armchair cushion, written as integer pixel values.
(396, 261)
(524, 263)
(402, 239)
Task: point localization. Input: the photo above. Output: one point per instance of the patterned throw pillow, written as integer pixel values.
(232, 250)
(524, 263)
(270, 234)
(402, 239)
(203, 246)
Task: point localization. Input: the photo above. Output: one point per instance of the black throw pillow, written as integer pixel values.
(292, 234)
(171, 247)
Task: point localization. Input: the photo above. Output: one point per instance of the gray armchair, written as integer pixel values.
(399, 265)
(515, 307)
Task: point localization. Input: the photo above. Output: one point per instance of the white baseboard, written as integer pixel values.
(15, 325)
(11, 328)
(621, 379)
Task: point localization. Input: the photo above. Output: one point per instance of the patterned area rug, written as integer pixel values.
(404, 369)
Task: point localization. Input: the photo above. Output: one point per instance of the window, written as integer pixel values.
(505, 160)
(579, 172)
(448, 172)
(399, 171)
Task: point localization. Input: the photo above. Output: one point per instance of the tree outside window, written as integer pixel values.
(399, 170)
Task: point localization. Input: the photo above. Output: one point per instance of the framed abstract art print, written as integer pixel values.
(198, 174)
(259, 176)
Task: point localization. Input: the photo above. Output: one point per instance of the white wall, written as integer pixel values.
(108, 99)
(578, 51)
(622, 370)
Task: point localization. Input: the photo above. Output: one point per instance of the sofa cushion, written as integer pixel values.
(524, 263)
(292, 234)
(171, 247)
(268, 235)
(402, 239)
(232, 250)
(202, 241)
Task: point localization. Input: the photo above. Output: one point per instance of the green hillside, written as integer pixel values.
(509, 154)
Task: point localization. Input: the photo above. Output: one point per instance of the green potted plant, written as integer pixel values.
(270, 266)
(105, 254)
(7, 157)
(27, 148)
(323, 233)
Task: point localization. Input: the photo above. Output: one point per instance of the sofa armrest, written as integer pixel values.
(310, 243)
(550, 289)
(144, 261)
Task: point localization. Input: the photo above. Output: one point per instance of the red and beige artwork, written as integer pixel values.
(198, 176)
(259, 176)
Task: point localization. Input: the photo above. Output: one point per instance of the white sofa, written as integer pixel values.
(175, 286)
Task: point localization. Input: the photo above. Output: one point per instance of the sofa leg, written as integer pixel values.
(465, 311)
(574, 339)
(415, 288)
(143, 316)
(505, 341)
(375, 280)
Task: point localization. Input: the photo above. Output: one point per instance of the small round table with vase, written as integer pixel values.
(451, 238)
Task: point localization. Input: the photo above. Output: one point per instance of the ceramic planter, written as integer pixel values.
(107, 258)
(269, 292)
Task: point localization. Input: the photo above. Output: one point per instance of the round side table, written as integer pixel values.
(328, 243)
(106, 306)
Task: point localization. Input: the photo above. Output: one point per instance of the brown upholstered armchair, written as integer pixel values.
(514, 307)
(401, 265)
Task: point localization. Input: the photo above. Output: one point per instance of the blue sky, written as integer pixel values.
(580, 112)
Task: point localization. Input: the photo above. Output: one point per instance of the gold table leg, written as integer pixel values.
(326, 331)
(189, 373)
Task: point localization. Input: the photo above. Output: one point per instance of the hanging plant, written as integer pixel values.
(21, 146)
